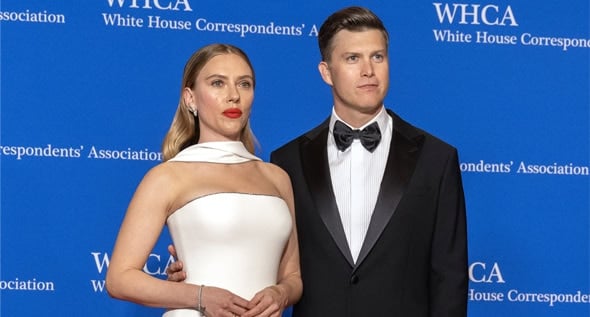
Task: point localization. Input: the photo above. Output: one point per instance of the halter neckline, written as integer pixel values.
(226, 152)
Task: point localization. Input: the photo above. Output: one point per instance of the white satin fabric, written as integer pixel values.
(229, 240)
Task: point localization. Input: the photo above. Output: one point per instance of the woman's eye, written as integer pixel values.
(245, 84)
(217, 83)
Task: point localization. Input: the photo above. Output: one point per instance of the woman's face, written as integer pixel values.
(222, 95)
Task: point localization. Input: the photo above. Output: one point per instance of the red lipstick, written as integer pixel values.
(233, 113)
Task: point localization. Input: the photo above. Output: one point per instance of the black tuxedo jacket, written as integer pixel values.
(413, 261)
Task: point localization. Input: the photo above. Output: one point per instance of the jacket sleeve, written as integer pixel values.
(448, 274)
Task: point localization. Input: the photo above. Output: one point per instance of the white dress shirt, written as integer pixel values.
(356, 178)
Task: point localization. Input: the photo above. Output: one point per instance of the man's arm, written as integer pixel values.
(449, 278)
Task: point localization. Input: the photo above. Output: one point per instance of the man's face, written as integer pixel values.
(358, 71)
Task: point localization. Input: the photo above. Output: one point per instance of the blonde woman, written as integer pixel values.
(230, 214)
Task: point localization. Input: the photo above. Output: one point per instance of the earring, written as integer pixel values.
(193, 111)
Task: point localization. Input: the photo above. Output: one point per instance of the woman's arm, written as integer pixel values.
(272, 300)
(139, 232)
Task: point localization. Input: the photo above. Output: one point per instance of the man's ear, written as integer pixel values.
(325, 72)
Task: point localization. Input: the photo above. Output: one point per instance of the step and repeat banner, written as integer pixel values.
(89, 88)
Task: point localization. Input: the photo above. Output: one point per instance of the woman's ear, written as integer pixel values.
(189, 100)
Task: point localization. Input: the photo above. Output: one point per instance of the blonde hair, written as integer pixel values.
(184, 130)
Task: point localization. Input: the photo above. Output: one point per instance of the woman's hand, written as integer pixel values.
(270, 302)
(219, 302)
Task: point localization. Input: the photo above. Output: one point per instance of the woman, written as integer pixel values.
(230, 214)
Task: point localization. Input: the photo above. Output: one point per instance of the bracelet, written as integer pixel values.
(200, 307)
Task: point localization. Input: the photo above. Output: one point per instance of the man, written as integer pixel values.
(379, 203)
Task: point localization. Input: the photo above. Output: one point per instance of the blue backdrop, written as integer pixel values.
(88, 90)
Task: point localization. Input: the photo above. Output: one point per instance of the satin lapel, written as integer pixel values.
(317, 175)
(399, 168)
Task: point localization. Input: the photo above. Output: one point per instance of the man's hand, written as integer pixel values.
(174, 270)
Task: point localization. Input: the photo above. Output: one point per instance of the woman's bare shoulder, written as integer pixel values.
(164, 174)
(277, 175)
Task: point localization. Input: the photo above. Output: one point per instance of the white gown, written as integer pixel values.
(228, 240)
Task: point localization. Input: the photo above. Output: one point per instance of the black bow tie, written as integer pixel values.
(369, 136)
